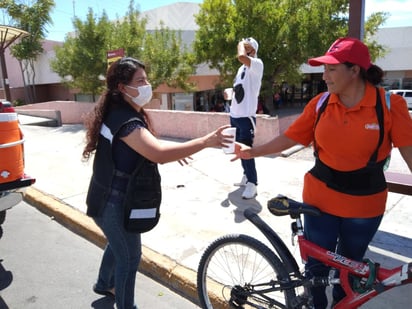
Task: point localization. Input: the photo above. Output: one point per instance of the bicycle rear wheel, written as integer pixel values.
(237, 269)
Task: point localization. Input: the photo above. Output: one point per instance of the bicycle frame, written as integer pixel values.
(383, 279)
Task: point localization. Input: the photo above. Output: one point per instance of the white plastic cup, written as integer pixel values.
(228, 94)
(231, 147)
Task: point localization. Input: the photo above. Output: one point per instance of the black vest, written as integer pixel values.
(100, 187)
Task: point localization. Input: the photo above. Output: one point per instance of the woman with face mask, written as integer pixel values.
(120, 135)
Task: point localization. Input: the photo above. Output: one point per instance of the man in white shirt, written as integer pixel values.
(244, 105)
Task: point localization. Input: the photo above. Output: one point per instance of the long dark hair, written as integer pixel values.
(120, 71)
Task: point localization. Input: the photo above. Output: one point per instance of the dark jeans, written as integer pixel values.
(349, 237)
(121, 257)
(245, 134)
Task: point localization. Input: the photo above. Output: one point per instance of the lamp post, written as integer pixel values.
(356, 18)
(8, 35)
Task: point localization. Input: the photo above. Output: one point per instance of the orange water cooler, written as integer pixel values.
(11, 148)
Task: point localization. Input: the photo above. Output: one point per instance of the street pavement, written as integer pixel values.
(200, 204)
(43, 266)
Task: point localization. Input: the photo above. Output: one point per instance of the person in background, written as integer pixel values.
(244, 106)
(120, 135)
(277, 100)
(353, 132)
(219, 106)
(261, 107)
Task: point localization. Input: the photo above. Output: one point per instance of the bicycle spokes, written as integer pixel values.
(249, 296)
(247, 271)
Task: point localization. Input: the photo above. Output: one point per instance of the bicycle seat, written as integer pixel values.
(282, 205)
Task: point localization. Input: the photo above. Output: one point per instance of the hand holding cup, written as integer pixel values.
(228, 94)
(231, 133)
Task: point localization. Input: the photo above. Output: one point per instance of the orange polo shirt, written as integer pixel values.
(346, 138)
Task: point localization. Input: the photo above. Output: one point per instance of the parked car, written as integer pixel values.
(13, 180)
(406, 94)
(6, 107)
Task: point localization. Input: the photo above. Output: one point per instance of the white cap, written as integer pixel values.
(252, 42)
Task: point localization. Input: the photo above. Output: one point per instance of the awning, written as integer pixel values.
(9, 34)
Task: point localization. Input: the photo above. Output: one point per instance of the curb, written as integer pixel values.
(154, 265)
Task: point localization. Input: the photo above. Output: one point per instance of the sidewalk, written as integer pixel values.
(199, 205)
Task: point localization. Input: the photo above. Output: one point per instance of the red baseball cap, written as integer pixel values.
(345, 50)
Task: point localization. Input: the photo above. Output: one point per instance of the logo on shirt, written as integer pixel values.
(372, 126)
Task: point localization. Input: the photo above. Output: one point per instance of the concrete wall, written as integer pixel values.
(71, 112)
(167, 123)
(188, 125)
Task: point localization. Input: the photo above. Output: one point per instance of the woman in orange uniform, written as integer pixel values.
(353, 129)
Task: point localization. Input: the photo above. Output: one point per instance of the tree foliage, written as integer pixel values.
(82, 57)
(288, 31)
(81, 60)
(371, 28)
(33, 17)
(129, 33)
(168, 59)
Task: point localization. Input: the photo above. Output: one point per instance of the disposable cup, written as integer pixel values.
(228, 93)
(231, 145)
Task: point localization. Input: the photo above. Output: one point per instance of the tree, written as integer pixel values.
(289, 32)
(81, 60)
(129, 33)
(168, 59)
(34, 20)
(162, 50)
(371, 28)
(83, 57)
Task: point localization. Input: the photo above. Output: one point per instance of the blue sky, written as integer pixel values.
(62, 15)
(64, 11)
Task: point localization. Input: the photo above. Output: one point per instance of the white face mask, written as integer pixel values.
(145, 94)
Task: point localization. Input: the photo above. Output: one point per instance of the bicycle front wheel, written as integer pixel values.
(238, 271)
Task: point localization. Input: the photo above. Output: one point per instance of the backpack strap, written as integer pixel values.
(324, 98)
(379, 115)
(388, 99)
(320, 108)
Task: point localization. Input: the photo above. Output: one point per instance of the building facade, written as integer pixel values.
(397, 65)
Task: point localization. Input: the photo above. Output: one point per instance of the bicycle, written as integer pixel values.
(239, 271)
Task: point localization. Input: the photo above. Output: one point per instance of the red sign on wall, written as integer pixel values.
(113, 55)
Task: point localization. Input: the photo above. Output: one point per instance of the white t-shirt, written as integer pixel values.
(251, 79)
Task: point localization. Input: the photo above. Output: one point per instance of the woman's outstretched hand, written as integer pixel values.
(218, 138)
(214, 139)
(241, 152)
